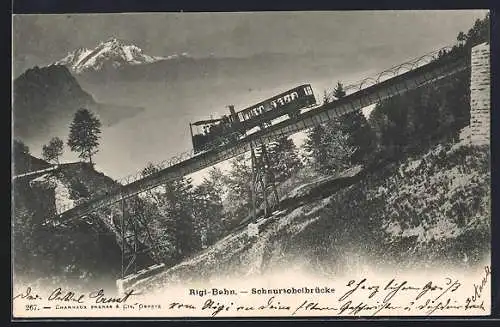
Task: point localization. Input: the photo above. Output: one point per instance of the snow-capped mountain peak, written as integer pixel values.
(112, 51)
(73, 58)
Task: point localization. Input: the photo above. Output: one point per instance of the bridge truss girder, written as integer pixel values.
(356, 101)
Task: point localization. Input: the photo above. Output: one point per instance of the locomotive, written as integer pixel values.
(230, 128)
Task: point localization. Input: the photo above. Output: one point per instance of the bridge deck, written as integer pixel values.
(36, 172)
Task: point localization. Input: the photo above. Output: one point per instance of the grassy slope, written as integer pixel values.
(427, 211)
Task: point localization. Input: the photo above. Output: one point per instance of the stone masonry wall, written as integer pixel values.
(480, 94)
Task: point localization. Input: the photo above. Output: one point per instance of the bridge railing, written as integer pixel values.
(391, 72)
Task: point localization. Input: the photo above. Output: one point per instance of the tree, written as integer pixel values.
(170, 211)
(479, 33)
(339, 91)
(326, 98)
(20, 148)
(53, 150)
(84, 134)
(283, 159)
(149, 169)
(345, 141)
(409, 124)
(357, 130)
(328, 147)
(179, 208)
(359, 136)
(21, 157)
(237, 204)
(338, 147)
(315, 147)
(208, 207)
(461, 38)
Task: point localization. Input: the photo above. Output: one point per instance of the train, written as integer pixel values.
(212, 133)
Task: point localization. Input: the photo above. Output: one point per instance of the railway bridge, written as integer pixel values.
(392, 82)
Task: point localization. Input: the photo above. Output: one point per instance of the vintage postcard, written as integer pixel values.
(251, 164)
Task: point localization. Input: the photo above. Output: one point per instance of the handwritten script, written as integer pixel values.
(354, 297)
(61, 295)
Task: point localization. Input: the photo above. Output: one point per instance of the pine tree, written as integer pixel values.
(315, 147)
(161, 224)
(284, 159)
(338, 149)
(326, 98)
(179, 205)
(208, 217)
(409, 124)
(359, 136)
(319, 140)
(339, 91)
(53, 150)
(479, 33)
(238, 204)
(340, 143)
(84, 134)
(461, 38)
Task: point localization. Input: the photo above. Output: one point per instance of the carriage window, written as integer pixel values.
(308, 90)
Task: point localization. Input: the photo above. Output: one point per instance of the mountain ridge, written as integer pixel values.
(46, 98)
(114, 52)
(44, 94)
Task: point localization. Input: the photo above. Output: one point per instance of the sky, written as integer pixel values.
(41, 39)
(374, 38)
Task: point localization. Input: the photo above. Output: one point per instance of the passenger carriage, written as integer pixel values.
(229, 128)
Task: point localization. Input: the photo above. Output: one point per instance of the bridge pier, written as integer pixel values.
(480, 101)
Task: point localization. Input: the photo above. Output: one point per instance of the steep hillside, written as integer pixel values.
(85, 249)
(424, 212)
